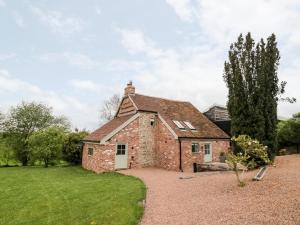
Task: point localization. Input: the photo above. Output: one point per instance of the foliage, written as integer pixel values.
(233, 160)
(256, 152)
(46, 145)
(25, 119)
(6, 153)
(222, 157)
(68, 195)
(289, 132)
(72, 149)
(254, 88)
(110, 107)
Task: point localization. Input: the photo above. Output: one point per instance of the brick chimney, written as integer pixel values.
(130, 89)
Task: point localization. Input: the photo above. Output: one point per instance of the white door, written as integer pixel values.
(207, 152)
(121, 156)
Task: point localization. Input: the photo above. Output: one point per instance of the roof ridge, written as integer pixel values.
(167, 99)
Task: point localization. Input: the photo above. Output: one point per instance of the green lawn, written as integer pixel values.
(68, 195)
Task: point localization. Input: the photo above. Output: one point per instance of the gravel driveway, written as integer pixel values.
(214, 198)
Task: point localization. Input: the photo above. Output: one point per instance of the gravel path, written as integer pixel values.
(214, 198)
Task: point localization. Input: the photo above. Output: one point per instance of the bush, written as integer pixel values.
(72, 149)
(47, 145)
(258, 153)
(222, 157)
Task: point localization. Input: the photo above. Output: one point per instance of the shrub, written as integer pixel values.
(256, 152)
(222, 157)
(233, 160)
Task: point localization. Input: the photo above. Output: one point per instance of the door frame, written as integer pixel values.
(126, 154)
(211, 153)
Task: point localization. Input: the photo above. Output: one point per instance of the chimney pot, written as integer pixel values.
(130, 89)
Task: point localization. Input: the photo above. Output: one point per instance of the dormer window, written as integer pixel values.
(189, 125)
(178, 124)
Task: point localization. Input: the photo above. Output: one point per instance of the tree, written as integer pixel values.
(6, 153)
(25, 119)
(110, 107)
(72, 149)
(46, 145)
(254, 89)
(233, 160)
(251, 155)
(289, 132)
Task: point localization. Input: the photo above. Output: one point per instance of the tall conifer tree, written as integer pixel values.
(253, 88)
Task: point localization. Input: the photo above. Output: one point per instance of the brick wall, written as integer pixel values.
(149, 145)
(167, 148)
(103, 158)
(188, 158)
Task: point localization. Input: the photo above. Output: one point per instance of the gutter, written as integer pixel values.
(180, 156)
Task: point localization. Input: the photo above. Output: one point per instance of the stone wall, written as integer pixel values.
(147, 139)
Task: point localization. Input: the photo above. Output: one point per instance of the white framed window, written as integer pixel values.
(121, 149)
(195, 147)
(178, 124)
(189, 125)
(207, 149)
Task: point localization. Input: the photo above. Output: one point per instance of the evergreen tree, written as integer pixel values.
(253, 88)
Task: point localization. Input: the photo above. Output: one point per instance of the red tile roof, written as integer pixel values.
(169, 110)
(182, 111)
(100, 133)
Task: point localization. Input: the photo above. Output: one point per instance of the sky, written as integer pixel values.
(72, 55)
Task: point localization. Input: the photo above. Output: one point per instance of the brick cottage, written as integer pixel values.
(153, 132)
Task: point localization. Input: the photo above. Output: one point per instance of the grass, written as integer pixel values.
(68, 195)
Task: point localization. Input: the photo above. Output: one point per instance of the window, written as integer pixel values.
(178, 124)
(152, 122)
(207, 149)
(195, 147)
(189, 125)
(121, 149)
(90, 151)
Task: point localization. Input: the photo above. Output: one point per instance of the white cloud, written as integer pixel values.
(136, 42)
(76, 59)
(98, 10)
(18, 19)
(183, 9)
(85, 62)
(7, 56)
(2, 3)
(86, 85)
(191, 73)
(57, 22)
(81, 114)
(9, 84)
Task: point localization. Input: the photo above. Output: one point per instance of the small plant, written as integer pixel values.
(222, 157)
(233, 161)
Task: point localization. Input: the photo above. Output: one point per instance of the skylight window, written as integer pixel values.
(178, 124)
(189, 125)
